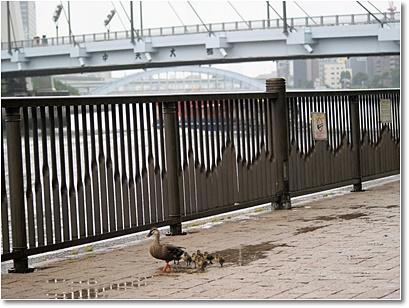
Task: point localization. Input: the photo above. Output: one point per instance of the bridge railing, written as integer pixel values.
(296, 22)
(81, 169)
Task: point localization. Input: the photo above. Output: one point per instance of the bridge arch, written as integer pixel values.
(184, 79)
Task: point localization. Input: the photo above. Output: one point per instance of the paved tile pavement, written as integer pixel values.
(338, 247)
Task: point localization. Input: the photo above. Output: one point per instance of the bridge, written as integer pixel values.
(186, 79)
(244, 41)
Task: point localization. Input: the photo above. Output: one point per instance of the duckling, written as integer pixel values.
(187, 258)
(198, 253)
(208, 257)
(219, 259)
(201, 263)
(194, 258)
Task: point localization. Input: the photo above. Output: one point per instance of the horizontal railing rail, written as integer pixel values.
(313, 21)
(79, 169)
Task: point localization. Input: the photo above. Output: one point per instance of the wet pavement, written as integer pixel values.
(336, 246)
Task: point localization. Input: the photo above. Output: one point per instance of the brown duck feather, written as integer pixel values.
(166, 252)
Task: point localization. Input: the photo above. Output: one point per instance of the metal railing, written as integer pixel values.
(82, 169)
(297, 22)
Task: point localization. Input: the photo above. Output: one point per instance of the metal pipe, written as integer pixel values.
(69, 21)
(8, 27)
(356, 144)
(140, 14)
(15, 166)
(268, 14)
(279, 134)
(172, 149)
(285, 30)
(132, 28)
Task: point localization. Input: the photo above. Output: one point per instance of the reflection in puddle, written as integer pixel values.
(96, 292)
(344, 216)
(248, 253)
(308, 229)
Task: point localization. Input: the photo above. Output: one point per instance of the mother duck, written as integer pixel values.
(164, 252)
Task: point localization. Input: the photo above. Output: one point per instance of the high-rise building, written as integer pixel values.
(16, 21)
(28, 15)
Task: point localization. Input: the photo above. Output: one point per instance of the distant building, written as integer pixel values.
(28, 15)
(358, 65)
(381, 65)
(16, 20)
(331, 72)
(284, 69)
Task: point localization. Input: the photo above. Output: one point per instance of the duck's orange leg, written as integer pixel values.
(166, 267)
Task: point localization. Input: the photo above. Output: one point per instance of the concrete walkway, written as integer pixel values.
(337, 247)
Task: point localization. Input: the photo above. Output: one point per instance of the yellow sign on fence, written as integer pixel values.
(386, 114)
(319, 126)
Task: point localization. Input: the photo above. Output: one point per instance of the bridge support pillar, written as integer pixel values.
(15, 166)
(172, 150)
(279, 134)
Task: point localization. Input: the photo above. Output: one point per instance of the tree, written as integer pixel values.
(345, 79)
(60, 86)
(360, 80)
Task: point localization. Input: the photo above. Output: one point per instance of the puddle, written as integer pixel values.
(248, 253)
(96, 292)
(352, 216)
(308, 229)
(344, 216)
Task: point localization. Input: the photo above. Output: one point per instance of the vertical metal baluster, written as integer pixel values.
(80, 185)
(212, 164)
(253, 130)
(146, 212)
(46, 178)
(94, 174)
(138, 184)
(158, 190)
(37, 181)
(238, 137)
(332, 128)
(5, 229)
(102, 172)
(244, 138)
(29, 189)
(206, 108)
(185, 178)
(196, 131)
(310, 103)
(63, 187)
(124, 178)
(202, 183)
(217, 115)
(71, 186)
(303, 125)
(117, 177)
(131, 182)
(152, 200)
(190, 158)
(109, 171)
(396, 120)
(87, 178)
(296, 122)
(251, 188)
(164, 178)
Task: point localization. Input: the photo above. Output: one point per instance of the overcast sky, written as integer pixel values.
(88, 16)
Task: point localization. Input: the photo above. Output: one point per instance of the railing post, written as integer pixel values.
(280, 142)
(15, 166)
(172, 150)
(356, 143)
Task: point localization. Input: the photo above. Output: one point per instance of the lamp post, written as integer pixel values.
(56, 16)
(108, 19)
